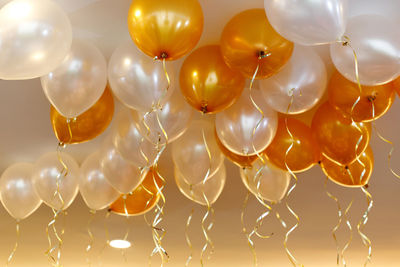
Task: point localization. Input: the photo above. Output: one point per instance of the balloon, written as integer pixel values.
(173, 118)
(142, 200)
(35, 38)
(120, 173)
(96, 191)
(396, 85)
(300, 84)
(137, 80)
(304, 152)
(203, 193)
(271, 184)
(56, 189)
(86, 126)
(129, 142)
(352, 175)
(339, 139)
(78, 83)
(190, 155)
(207, 83)
(374, 101)
(17, 194)
(243, 129)
(376, 41)
(165, 29)
(249, 36)
(308, 22)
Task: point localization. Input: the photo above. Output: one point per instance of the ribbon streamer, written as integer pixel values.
(17, 231)
(360, 226)
(107, 236)
(188, 241)
(91, 236)
(244, 229)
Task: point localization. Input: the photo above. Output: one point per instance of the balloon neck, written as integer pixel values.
(162, 56)
(366, 186)
(262, 54)
(371, 98)
(204, 109)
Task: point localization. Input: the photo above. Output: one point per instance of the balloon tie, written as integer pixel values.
(12, 254)
(360, 226)
(188, 241)
(91, 237)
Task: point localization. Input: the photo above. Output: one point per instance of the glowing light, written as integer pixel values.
(19, 10)
(127, 62)
(138, 13)
(120, 244)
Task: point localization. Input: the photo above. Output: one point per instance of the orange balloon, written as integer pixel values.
(375, 101)
(86, 126)
(207, 83)
(304, 152)
(249, 36)
(355, 174)
(337, 136)
(165, 28)
(143, 199)
(396, 85)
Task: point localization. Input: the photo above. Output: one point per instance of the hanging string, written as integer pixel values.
(188, 241)
(346, 246)
(360, 226)
(91, 237)
(11, 256)
(245, 232)
(107, 236)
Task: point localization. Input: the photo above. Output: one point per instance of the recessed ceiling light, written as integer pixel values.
(120, 244)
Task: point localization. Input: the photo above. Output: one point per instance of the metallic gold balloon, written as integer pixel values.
(207, 83)
(352, 175)
(248, 36)
(86, 126)
(305, 150)
(338, 138)
(375, 100)
(165, 28)
(143, 199)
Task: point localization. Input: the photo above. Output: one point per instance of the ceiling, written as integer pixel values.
(26, 134)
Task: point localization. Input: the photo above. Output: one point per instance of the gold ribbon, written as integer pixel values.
(12, 254)
(245, 232)
(91, 237)
(360, 226)
(187, 237)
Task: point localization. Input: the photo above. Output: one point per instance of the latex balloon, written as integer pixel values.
(299, 86)
(36, 40)
(203, 193)
(96, 191)
(120, 173)
(56, 189)
(355, 174)
(308, 22)
(376, 41)
(243, 129)
(339, 139)
(304, 150)
(374, 101)
(165, 124)
(128, 140)
(239, 160)
(137, 80)
(207, 83)
(190, 155)
(248, 40)
(270, 184)
(396, 85)
(86, 126)
(17, 194)
(142, 200)
(78, 83)
(165, 29)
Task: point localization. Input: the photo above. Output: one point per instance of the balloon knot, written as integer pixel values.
(262, 54)
(366, 186)
(319, 162)
(204, 108)
(346, 167)
(371, 98)
(164, 55)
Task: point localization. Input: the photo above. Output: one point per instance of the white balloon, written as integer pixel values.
(308, 22)
(17, 194)
(80, 80)
(376, 42)
(96, 191)
(301, 83)
(51, 183)
(137, 80)
(203, 193)
(35, 37)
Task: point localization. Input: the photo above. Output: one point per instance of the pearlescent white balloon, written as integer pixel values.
(203, 193)
(301, 82)
(80, 80)
(137, 80)
(17, 194)
(35, 37)
(235, 126)
(308, 22)
(376, 41)
(50, 181)
(96, 191)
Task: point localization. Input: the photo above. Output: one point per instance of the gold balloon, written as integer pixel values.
(396, 85)
(305, 150)
(355, 174)
(143, 199)
(337, 136)
(374, 101)
(207, 83)
(86, 126)
(249, 39)
(165, 28)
